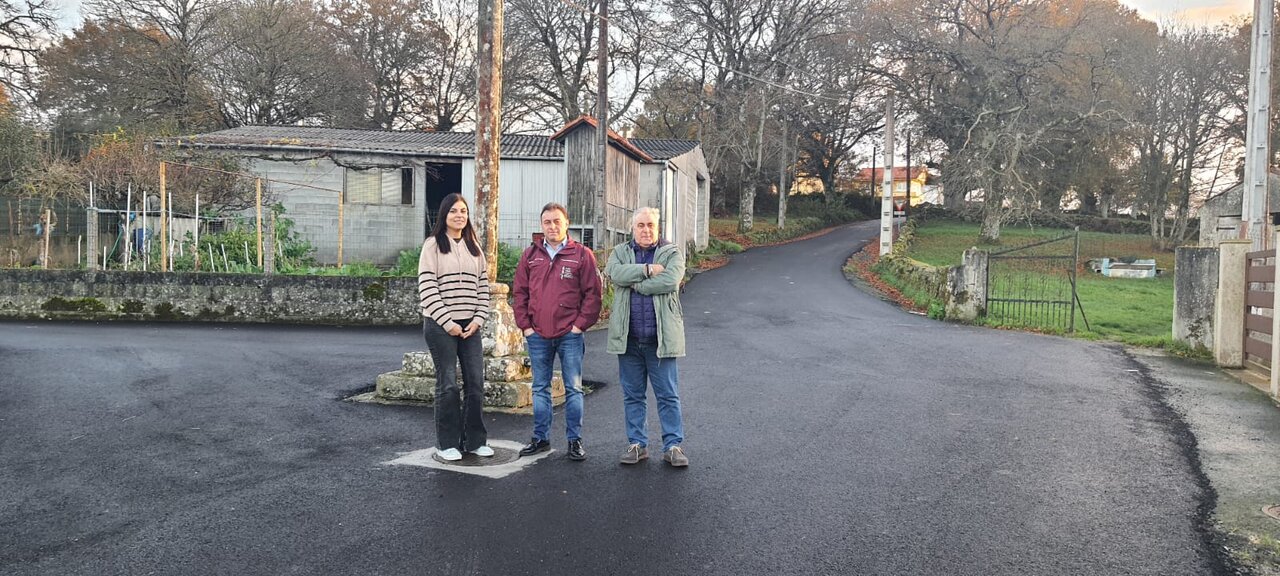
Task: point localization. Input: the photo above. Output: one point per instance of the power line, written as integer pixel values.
(681, 50)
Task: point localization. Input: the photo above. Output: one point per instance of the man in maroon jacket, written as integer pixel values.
(557, 291)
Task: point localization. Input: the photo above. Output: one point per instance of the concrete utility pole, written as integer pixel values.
(488, 128)
(906, 207)
(886, 198)
(782, 180)
(602, 130)
(1255, 210)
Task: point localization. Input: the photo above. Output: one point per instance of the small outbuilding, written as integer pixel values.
(1220, 214)
(378, 192)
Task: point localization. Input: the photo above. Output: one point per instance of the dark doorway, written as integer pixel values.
(442, 180)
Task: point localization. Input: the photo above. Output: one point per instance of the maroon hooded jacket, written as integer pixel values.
(553, 296)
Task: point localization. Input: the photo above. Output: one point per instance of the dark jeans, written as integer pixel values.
(459, 413)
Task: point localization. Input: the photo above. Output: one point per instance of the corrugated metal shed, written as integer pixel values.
(414, 143)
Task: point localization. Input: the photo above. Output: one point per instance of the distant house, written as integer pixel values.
(921, 189)
(387, 185)
(1220, 214)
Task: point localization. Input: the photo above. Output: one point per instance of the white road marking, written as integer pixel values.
(424, 459)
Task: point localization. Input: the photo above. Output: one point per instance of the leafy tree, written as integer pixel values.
(180, 36)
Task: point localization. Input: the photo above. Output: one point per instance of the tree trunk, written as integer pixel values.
(746, 207)
(990, 224)
(992, 213)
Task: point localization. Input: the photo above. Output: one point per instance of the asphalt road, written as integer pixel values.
(829, 433)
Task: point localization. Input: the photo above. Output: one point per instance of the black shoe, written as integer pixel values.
(535, 446)
(575, 451)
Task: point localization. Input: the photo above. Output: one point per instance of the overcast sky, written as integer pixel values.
(1191, 11)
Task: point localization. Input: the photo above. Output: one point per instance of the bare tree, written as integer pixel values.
(25, 26)
(443, 92)
(845, 105)
(1004, 84)
(556, 77)
(282, 66)
(743, 52)
(397, 43)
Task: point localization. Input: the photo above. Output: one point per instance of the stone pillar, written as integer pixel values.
(1195, 290)
(508, 379)
(967, 287)
(1228, 310)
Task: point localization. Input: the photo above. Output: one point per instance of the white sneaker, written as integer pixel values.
(484, 451)
(451, 455)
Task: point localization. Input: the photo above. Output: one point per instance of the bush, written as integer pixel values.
(718, 246)
(407, 263)
(508, 259)
(362, 269)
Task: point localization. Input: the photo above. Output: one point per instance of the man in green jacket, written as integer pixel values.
(646, 331)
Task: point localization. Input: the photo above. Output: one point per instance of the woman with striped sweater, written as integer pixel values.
(453, 287)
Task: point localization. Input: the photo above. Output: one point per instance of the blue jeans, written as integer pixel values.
(542, 356)
(639, 364)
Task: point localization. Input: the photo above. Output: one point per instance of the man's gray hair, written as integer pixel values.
(657, 216)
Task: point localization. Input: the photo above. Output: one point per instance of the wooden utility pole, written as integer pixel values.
(602, 129)
(886, 195)
(1258, 130)
(488, 128)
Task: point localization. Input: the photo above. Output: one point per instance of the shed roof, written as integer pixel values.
(664, 149)
(407, 143)
(617, 139)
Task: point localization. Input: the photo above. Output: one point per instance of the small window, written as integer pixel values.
(362, 186)
(406, 186)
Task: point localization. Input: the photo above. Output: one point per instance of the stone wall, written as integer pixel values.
(97, 295)
(961, 291)
(931, 280)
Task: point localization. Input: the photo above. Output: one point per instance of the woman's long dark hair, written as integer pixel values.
(441, 229)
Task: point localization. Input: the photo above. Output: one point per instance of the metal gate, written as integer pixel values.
(1034, 285)
(1260, 273)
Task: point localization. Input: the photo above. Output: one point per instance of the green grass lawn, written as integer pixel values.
(1134, 311)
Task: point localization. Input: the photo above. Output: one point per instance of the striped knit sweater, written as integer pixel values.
(452, 287)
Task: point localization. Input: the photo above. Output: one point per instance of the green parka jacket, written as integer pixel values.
(627, 276)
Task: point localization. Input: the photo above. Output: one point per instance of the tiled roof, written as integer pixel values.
(618, 140)
(412, 143)
(662, 149)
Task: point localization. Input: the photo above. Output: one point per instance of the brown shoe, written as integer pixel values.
(675, 457)
(634, 454)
